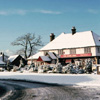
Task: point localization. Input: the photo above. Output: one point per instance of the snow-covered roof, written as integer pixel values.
(79, 39)
(36, 56)
(44, 58)
(0, 57)
(1, 62)
(52, 55)
(12, 58)
(5, 57)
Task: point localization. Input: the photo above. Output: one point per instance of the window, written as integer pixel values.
(72, 51)
(98, 49)
(60, 52)
(87, 50)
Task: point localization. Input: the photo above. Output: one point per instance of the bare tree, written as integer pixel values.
(29, 42)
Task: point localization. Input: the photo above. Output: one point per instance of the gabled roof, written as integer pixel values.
(79, 39)
(1, 62)
(52, 56)
(43, 58)
(36, 56)
(12, 58)
(5, 57)
(1, 57)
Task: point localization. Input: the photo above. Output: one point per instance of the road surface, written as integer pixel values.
(24, 90)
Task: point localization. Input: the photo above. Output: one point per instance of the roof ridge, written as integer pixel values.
(93, 37)
(77, 32)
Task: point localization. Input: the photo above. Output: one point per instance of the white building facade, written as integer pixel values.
(75, 46)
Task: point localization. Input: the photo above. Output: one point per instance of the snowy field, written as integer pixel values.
(65, 79)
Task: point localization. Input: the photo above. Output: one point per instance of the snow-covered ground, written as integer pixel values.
(66, 79)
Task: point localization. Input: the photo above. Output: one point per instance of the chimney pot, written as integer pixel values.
(73, 30)
(52, 37)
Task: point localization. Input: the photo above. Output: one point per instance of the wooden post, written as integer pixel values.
(96, 60)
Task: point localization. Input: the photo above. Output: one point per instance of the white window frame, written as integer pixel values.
(87, 50)
(72, 51)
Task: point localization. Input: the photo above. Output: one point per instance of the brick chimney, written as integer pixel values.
(52, 37)
(73, 30)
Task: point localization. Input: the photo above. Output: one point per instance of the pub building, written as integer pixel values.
(75, 46)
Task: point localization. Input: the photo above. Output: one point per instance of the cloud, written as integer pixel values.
(12, 12)
(93, 11)
(20, 12)
(23, 12)
(8, 52)
(3, 13)
(49, 12)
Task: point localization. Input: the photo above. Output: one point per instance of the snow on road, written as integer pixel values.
(66, 79)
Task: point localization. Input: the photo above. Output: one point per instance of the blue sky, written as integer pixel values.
(42, 17)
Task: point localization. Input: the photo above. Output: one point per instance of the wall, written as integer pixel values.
(93, 51)
(66, 51)
(97, 54)
(29, 61)
(80, 51)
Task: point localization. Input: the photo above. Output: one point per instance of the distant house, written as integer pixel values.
(16, 59)
(38, 58)
(33, 59)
